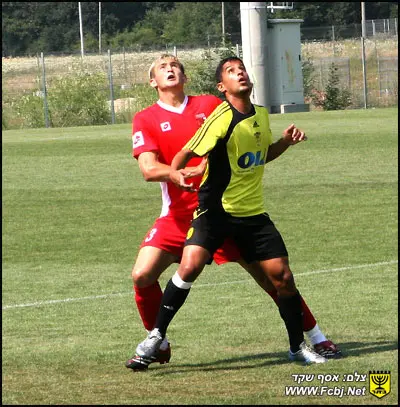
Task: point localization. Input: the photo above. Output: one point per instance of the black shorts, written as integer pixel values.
(256, 236)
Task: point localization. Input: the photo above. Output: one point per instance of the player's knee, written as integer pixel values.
(189, 271)
(282, 277)
(142, 277)
(286, 282)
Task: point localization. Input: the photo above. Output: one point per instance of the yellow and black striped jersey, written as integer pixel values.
(237, 146)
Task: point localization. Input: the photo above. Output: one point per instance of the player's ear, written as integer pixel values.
(153, 83)
(221, 87)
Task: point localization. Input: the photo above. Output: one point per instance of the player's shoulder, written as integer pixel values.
(221, 116)
(222, 108)
(260, 108)
(146, 112)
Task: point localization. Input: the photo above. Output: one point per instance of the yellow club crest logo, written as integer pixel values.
(379, 383)
(190, 233)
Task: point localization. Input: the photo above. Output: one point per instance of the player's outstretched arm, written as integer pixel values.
(196, 171)
(152, 170)
(291, 135)
(178, 173)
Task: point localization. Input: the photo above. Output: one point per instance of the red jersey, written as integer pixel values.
(165, 129)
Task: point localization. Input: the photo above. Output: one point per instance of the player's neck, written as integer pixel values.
(240, 103)
(172, 98)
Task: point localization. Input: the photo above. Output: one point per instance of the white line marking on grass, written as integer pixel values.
(95, 297)
(49, 302)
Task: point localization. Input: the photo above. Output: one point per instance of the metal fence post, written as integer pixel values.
(349, 74)
(333, 41)
(110, 79)
(320, 74)
(38, 67)
(379, 76)
(125, 77)
(45, 105)
(364, 72)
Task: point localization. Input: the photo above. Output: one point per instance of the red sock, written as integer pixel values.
(308, 318)
(148, 301)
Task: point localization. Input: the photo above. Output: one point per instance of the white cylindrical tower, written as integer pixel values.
(253, 16)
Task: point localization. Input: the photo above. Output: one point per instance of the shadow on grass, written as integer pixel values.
(362, 348)
(278, 358)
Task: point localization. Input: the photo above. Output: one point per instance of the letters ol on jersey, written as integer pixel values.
(248, 159)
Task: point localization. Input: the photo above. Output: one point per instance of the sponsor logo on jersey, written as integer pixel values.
(200, 118)
(257, 135)
(165, 126)
(251, 159)
(137, 139)
(190, 233)
(379, 383)
(199, 212)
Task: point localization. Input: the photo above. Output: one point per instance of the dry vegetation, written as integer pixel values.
(384, 47)
(24, 76)
(24, 73)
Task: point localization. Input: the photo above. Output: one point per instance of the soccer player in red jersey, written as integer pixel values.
(159, 132)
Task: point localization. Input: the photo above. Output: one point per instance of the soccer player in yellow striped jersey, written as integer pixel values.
(237, 144)
(237, 139)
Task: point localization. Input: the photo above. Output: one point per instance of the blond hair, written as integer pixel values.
(160, 58)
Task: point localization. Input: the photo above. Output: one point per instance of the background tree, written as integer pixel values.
(189, 23)
(31, 27)
(334, 97)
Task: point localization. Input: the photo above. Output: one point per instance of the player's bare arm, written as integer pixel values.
(179, 173)
(152, 170)
(190, 172)
(291, 135)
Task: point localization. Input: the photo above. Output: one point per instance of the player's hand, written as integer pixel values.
(178, 177)
(198, 171)
(293, 135)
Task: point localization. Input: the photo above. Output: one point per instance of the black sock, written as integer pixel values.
(172, 300)
(292, 314)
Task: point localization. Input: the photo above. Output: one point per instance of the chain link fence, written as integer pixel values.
(119, 79)
(373, 28)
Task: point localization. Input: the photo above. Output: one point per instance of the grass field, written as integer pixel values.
(75, 209)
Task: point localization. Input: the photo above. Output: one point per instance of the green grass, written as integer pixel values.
(75, 209)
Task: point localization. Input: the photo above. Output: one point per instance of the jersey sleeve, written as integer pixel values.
(212, 130)
(142, 140)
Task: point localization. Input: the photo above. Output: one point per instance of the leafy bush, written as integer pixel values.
(29, 111)
(79, 100)
(333, 97)
(308, 70)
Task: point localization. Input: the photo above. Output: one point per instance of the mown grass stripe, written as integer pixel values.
(95, 297)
